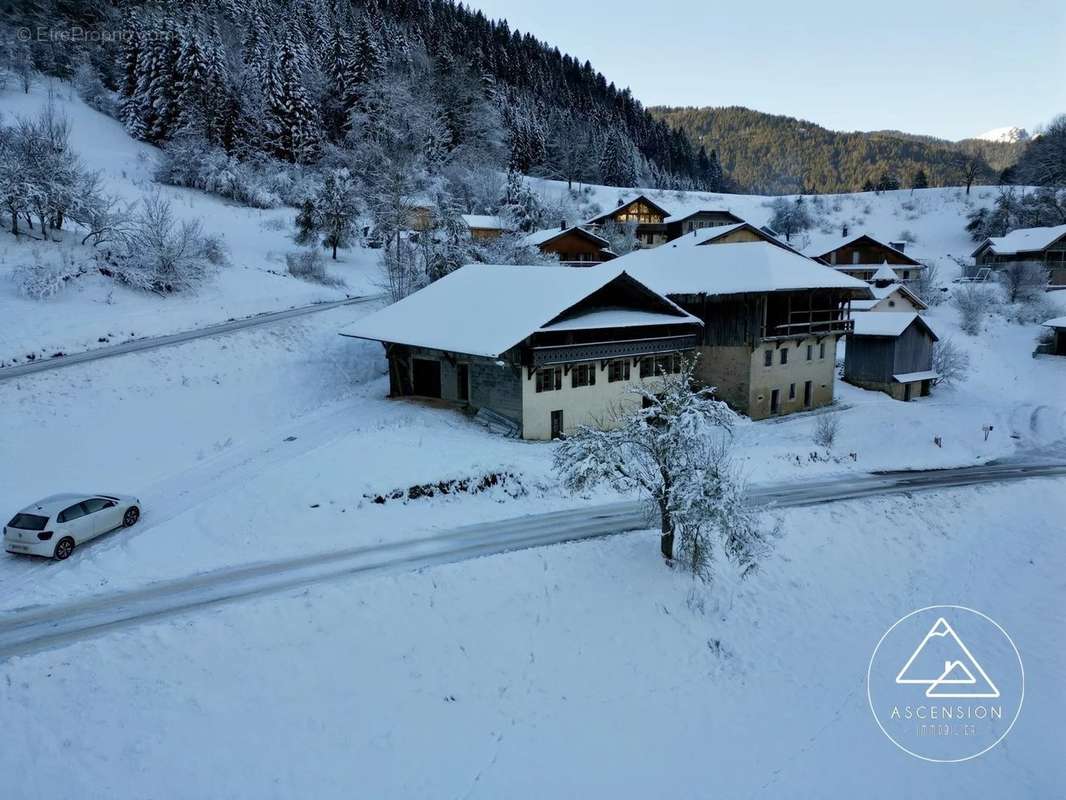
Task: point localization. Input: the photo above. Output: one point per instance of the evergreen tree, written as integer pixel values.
(921, 180)
(616, 161)
(292, 123)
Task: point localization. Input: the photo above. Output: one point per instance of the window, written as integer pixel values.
(891, 303)
(768, 358)
(810, 352)
(94, 504)
(618, 371)
(583, 375)
(668, 365)
(855, 257)
(784, 355)
(821, 349)
(28, 522)
(807, 394)
(647, 367)
(906, 274)
(549, 380)
(775, 401)
(792, 391)
(74, 512)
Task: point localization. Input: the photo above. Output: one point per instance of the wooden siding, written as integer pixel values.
(913, 351)
(577, 248)
(869, 252)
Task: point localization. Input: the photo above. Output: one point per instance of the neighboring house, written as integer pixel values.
(728, 234)
(549, 348)
(648, 216)
(888, 295)
(862, 255)
(575, 247)
(1045, 246)
(421, 214)
(891, 352)
(771, 318)
(1057, 346)
(657, 223)
(483, 226)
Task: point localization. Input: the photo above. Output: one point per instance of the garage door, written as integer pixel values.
(426, 377)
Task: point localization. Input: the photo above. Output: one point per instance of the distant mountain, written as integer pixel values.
(1010, 134)
(773, 154)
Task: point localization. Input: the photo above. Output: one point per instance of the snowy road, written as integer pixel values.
(37, 628)
(154, 342)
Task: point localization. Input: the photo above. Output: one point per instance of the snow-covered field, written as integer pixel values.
(582, 669)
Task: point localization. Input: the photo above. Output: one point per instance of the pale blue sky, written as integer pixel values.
(941, 67)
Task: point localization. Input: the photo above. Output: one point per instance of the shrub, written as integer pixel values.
(825, 430)
(309, 265)
(41, 276)
(158, 253)
(1034, 309)
(973, 303)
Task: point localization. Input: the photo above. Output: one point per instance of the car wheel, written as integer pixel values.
(131, 516)
(64, 547)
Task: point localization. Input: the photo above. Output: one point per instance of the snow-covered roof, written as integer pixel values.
(1058, 322)
(887, 323)
(616, 318)
(485, 310)
(537, 238)
(1023, 240)
(884, 273)
(484, 221)
(908, 377)
(734, 268)
(820, 247)
(702, 236)
(883, 292)
(685, 213)
(675, 208)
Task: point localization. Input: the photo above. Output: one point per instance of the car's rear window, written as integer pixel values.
(28, 522)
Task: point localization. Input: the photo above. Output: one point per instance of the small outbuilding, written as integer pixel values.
(484, 226)
(891, 352)
(547, 348)
(574, 246)
(1057, 346)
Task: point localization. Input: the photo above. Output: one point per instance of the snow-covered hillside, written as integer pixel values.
(94, 310)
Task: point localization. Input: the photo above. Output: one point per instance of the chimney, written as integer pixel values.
(901, 246)
(562, 224)
(844, 231)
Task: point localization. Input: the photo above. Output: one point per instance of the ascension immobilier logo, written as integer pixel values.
(945, 683)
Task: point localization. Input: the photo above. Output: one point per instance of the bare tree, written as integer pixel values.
(825, 429)
(971, 166)
(1022, 281)
(927, 285)
(950, 362)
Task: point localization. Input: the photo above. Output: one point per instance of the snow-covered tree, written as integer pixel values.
(617, 163)
(521, 206)
(790, 216)
(621, 235)
(950, 362)
(675, 451)
(1022, 281)
(330, 216)
(293, 123)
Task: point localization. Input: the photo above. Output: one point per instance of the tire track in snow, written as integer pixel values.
(39, 628)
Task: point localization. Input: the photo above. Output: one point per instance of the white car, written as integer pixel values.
(53, 527)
